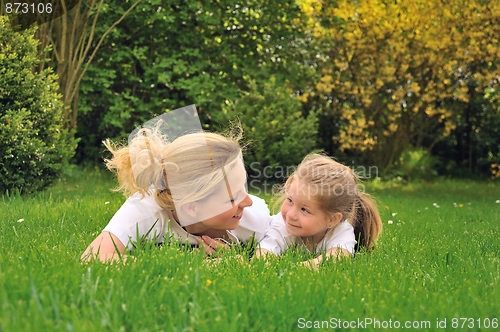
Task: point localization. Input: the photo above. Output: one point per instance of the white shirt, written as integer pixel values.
(142, 217)
(277, 239)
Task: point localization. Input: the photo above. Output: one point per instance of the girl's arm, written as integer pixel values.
(276, 239)
(105, 247)
(337, 243)
(334, 253)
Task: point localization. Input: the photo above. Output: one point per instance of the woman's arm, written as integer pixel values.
(137, 217)
(105, 247)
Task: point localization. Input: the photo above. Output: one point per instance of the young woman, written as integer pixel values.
(192, 189)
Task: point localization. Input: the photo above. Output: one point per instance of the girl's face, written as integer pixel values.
(302, 215)
(230, 200)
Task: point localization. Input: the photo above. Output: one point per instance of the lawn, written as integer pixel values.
(436, 266)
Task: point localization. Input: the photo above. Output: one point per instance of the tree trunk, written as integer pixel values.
(71, 37)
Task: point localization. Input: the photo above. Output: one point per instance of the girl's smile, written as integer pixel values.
(302, 215)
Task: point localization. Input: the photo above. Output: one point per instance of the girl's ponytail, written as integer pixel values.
(367, 222)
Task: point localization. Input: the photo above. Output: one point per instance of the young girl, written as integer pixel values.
(192, 189)
(324, 211)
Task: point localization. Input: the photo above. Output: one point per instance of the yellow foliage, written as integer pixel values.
(393, 127)
(326, 78)
(412, 53)
(495, 171)
(430, 111)
(462, 94)
(448, 127)
(303, 97)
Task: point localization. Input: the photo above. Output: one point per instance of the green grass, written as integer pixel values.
(432, 263)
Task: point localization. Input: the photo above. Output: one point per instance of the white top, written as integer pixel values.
(277, 239)
(142, 217)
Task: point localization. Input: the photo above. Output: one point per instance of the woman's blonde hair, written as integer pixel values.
(186, 170)
(335, 188)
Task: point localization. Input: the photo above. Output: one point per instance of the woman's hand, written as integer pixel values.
(210, 245)
(261, 253)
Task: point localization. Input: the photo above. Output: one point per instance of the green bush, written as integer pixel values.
(34, 147)
(278, 132)
(168, 54)
(416, 164)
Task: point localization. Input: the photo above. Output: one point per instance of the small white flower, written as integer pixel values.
(497, 201)
(426, 208)
(21, 220)
(106, 203)
(394, 213)
(455, 204)
(389, 222)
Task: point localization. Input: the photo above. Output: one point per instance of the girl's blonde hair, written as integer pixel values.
(335, 188)
(186, 170)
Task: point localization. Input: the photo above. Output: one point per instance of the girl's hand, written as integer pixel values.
(218, 261)
(261, 253)
(313, 264)
(333, 253)
(210, 245)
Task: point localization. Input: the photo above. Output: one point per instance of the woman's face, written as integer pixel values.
(226, 206)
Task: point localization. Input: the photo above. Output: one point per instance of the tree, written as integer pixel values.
(73, 44)
(391, 72)
(473, 147)
(277, 132)
(172, 53)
